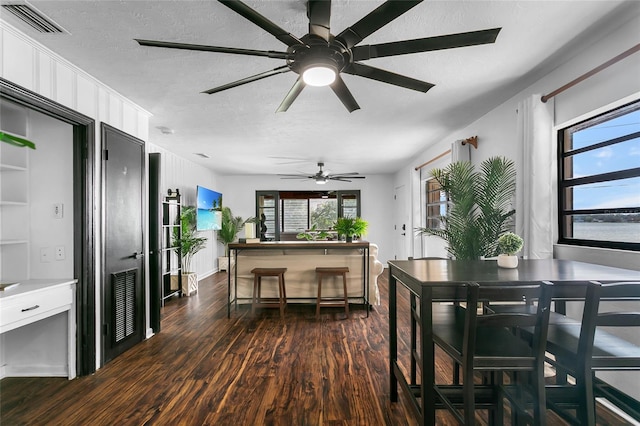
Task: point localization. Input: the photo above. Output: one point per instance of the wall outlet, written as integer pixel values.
(58, 210)
(60, 253)
(46, 254)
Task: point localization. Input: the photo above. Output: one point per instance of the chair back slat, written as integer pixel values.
(618, 319)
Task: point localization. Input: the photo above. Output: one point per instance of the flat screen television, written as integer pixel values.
(208, 213)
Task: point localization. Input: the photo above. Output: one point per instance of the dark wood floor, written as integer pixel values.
(205, 369)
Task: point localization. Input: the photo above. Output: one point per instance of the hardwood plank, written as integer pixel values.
(205, 369)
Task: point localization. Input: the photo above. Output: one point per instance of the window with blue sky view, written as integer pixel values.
(600, 179)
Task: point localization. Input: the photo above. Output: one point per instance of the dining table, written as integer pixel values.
(431, 281)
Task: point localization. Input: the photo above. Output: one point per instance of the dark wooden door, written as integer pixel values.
(123, 288)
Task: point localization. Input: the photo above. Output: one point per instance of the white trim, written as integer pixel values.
(606, 108)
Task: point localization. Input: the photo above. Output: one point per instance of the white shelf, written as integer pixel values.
(11, 168)
(13, 203)
(12, 242)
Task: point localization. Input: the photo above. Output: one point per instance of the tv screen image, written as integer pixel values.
(208, 214)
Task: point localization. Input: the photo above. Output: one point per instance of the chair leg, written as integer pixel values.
(256, 293)
(346, 297)
(468, 395)
(319, 296)
(282, 294)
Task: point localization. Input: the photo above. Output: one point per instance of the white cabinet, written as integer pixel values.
(14, 197)
(38, 329)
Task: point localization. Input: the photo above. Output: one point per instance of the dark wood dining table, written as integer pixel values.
(433, 280)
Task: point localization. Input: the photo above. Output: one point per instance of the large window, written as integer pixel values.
(287, 213)
(436, 204)
(599, 180)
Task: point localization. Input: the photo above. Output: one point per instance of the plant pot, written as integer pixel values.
(507, 261)
(349, 238)
(189, 283)
(223, 263)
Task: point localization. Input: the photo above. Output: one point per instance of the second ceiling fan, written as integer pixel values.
(319, 57)
(324, 176)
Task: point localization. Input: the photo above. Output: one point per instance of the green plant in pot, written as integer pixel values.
(508, 245)
(479, 206)
(190, 243)
(230, 227)
(350, 227)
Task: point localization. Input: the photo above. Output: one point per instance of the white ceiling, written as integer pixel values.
(239, 128)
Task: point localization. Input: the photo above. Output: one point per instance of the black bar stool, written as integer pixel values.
(260, 302)
(332, 271)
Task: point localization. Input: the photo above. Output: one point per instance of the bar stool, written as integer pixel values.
(332, 271)
(260, 302)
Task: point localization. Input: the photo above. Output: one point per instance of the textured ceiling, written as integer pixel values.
(239, 128)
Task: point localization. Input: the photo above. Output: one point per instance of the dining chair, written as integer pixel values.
(483, 342)
(582, 348)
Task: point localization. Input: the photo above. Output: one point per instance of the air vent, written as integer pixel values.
(34, 18)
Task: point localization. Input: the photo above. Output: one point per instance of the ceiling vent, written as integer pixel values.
(33, 17)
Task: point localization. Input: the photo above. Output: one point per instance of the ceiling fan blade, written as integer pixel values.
(218, 49)
(346, 174)
(319, 13)
(292, 95)
(279, 70)
(381, 16)
(338, 177)
(388, 77)
(343, 93)
(450, 41)
(264, 23)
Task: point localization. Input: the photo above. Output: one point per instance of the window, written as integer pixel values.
(436, 204)
(599, 180)
(287, 213)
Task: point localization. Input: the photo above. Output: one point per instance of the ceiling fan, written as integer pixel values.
(324, 176)
(319, 57)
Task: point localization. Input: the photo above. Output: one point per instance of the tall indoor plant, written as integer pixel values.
(228, 233)
(190, 243)
(479, 206)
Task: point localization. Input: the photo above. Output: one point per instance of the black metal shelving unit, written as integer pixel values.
(171, 255)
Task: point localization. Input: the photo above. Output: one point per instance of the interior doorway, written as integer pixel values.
(83, 213)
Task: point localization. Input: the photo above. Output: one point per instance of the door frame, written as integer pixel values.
(84, 148)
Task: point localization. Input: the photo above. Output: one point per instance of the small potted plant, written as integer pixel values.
(508, 245)
(350, 227)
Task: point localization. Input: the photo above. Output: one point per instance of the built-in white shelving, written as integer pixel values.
(14, 196)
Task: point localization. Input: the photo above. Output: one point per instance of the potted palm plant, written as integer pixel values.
(351, 227)
(228, 233)
(190, 243)
(479, 206)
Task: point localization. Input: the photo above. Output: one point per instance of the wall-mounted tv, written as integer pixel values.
(208, 213)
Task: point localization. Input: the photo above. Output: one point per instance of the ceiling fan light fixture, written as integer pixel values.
(319, 75)
(321, 180)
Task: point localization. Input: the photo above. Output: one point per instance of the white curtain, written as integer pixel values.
(536, 199)
(460, 152)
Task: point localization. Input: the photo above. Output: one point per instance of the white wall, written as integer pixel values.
(49, 186)
(177, 172)
(496, 130)
(376, 196)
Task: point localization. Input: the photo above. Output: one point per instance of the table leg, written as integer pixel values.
(393, 337)
(428, 357)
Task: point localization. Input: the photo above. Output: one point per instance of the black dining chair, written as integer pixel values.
(483, 342)
(582, 348)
